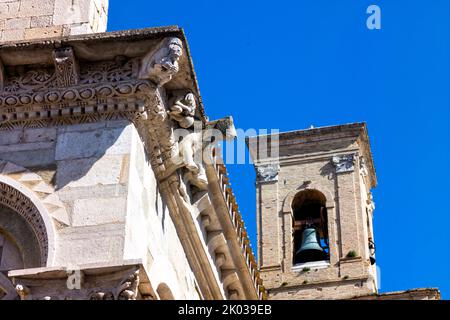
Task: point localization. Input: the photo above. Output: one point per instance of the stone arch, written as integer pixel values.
(24, 202)
(164, 292)
(287, 204)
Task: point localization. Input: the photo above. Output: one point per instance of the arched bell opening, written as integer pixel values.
(310, 227)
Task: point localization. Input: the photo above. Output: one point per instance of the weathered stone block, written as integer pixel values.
(10, 137)
(41, 21)
(32, 8)
(74, 145)
(13, 35)
(66, 12)
(90, 244)
(89, 171)
(18, 23)
(39, 135)
(30, 158)
(46, 32)
(97, 211)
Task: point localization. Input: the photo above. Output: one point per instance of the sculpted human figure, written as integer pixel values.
(192, 147)
(182, 110)
(160, 65)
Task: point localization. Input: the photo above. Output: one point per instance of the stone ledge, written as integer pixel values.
(411, 294)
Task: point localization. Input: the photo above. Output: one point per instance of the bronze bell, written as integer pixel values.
(310, 250)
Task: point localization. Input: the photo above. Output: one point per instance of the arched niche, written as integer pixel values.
(25, 221)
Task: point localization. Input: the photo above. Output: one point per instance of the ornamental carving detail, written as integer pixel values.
(66, 67)
(344, 163)
(14, 199)
(161, 64)
(267, 173)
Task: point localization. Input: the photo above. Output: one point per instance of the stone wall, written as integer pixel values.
(97, 184)
(33, 19)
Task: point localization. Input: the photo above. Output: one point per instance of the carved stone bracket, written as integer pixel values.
(344, 163)
(267, 173)
(66, 67)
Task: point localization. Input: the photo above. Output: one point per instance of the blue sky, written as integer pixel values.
(292, 64)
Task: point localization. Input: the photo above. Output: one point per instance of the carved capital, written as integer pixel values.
(267, 173)
(344, 163)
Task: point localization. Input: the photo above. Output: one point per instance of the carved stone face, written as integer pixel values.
(175, 48)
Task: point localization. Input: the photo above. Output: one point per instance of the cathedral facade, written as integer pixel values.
(111, 187)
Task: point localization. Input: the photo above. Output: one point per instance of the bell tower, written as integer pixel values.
(314, 212)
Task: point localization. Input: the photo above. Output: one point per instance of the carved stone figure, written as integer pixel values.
(182, 110)
(160, 65)
(22, 291)
(129, 289)
(193, 145)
